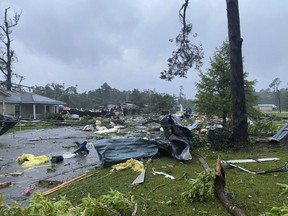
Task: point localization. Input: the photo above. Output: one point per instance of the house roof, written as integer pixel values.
(30, 98)
(4, 93)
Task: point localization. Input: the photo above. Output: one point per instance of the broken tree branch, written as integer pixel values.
(219, 185)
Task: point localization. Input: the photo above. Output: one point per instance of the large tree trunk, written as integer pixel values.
(239, 117)
(9, 75)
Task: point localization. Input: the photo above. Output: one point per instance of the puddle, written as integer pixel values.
(49, 142)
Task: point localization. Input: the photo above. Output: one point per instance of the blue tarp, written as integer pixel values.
(117, 150)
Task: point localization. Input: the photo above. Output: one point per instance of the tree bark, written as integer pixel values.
(239, 137)
(219, 185)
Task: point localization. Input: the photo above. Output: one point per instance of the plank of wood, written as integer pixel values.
(5, 184)
(204, 163)
(76, 179)
(251, 160)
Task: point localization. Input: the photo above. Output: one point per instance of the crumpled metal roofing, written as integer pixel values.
(176, 143)
(120, 149)
(283, 132)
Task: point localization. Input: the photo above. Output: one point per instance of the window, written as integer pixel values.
(17, 110)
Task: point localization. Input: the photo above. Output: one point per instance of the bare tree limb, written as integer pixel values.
(8, 55)
(188, 54)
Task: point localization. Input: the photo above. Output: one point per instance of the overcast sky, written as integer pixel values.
(126, 42)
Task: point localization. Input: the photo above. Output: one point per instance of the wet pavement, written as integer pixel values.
(49, 142)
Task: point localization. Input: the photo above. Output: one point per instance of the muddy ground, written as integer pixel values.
(49, 142)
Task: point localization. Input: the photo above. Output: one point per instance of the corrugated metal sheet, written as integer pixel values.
(283, 132)
(117, 150)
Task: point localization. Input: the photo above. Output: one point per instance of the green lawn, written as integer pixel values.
(255, 194)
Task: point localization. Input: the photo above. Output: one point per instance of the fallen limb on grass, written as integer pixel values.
(219, 185)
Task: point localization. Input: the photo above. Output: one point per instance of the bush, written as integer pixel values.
(219, 138)
(52, 116)
(85, 119)
(113, 202)
(202, 188)
(262, 128)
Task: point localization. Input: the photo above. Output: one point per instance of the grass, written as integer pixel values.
(31, 126)
(255, 194)
(277, 113)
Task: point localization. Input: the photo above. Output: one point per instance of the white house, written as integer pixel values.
(266, 107)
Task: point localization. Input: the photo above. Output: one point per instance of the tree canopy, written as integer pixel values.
(106, 95)
(213, 96)
(275, 85)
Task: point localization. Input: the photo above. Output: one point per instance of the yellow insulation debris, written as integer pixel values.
(203, 131)
(28, 160)
(131, 163)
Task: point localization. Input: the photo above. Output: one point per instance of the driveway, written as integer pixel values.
(49, 142)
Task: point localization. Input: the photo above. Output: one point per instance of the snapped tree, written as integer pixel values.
(189, 55)
(7, 54)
